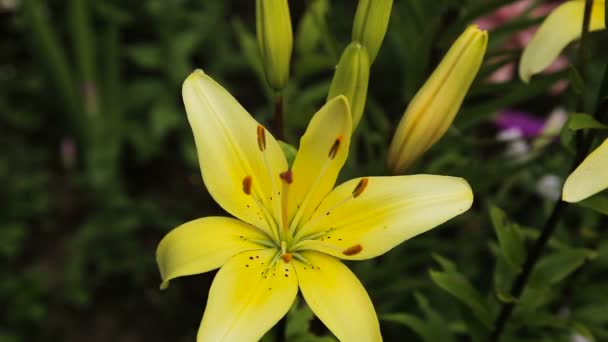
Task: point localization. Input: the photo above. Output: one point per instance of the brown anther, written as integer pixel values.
(333, 151)
(352, 250)
(287, 257)
(247, 182)
(261, 138)
(287, 176)
(360, 187)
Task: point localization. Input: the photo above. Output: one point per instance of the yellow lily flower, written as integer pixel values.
(562, 26)
(290, 228)
(588, 178)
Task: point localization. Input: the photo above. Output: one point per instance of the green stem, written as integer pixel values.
(548, 229)
(279, 121)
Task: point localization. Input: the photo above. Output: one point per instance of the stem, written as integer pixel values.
(278, 117)
(536, 250)
(520, 282)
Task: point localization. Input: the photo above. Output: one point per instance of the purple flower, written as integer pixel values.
(528, 125)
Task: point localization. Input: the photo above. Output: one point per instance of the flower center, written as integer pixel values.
(274, 210)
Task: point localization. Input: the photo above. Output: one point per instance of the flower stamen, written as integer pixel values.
(261, 131)
(247, 182)
(360, 187)
(352, 250)
(287, 178)
(333, 151)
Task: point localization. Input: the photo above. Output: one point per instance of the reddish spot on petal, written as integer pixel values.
(247, 182)
(261, 138)
(360, 187)
(352, 250)
(333, 151)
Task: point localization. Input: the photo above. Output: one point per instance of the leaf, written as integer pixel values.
(509, 238)
(437, 325)
(434, 328)
(417, 325)
(576, 80)
(446, 264)
(460, 287)
(597, 202)
(147, 56)
(557, 266)
(578, 121)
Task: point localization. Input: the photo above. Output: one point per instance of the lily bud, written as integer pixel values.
(431, 112)
(562, 26)
(351, 79)
(371, 22)
(275, 39)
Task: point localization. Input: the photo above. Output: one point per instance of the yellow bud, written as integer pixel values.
(275, 39)
(434, 107)
(351, 78)
(371, 21)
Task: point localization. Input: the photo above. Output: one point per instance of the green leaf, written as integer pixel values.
(576, 80)
(578, 121)
(434, 328)
(597, 202)
(446, 264)
(414, 323)
(437, 325)
(460, 287)
(146, 56)
(505, 297)
(509, 238)
(557, 266)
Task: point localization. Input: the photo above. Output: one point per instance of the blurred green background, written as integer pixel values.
(97, 164)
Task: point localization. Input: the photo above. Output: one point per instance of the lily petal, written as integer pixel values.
(590, 177)
(323, 151)
(385, 212)
(337, 298)
(203, 245)
(226, 139)
(247, 297)
(561, 27)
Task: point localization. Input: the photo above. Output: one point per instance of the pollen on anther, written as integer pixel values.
(335, 147)
(261, 138)
(352, 250)
(287, 257)
(247, 182)
(360, 187)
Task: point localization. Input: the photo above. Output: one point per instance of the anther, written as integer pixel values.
(360, 187)
(247, 181)
(287, 176)
(261, 138)
(287, 257)
(333, 151)
(352, 250)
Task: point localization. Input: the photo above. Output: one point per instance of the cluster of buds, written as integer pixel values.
(352, 72)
